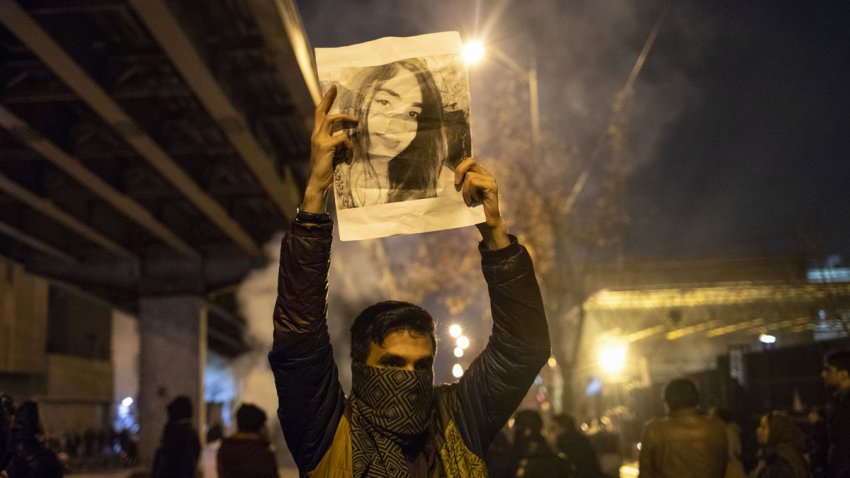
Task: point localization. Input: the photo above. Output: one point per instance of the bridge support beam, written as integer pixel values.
(173, 333)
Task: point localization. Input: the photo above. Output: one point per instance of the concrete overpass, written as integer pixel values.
(148, 148)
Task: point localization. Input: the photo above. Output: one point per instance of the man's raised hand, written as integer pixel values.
(479, 187)
(323, 144)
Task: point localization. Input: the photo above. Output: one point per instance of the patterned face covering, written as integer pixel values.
(391, 411)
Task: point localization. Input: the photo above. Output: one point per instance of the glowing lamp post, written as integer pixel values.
(472, 52)
(612, 358)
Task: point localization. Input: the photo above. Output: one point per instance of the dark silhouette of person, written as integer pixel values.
(246, 453)
(684, 443)
(501, 457)
(536, 457)
(6, 412)
(577, 448)
(836, 374)
(29, 457)
(179, 448)
(818, 443)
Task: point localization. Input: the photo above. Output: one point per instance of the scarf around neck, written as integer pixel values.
(391, 416)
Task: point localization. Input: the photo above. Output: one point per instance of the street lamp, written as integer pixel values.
(612, 358)
(457, 370)
(455, 331)
(472, 52)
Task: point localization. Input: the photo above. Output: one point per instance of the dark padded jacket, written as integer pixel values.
(469, 412)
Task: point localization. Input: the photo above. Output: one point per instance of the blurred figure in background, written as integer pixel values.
(818, 444)
(577, 447)
(836, 375)
(685, 443)
(179, 448)
(501, 457)
(30, 458)
(536, 458)
(6, 411)
(781, 448)
(734, 468)
(246, 454)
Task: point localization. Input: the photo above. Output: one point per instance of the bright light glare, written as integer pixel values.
(612, 358)
(457, 370)
(767, 339)
(463, 341)
(552, 362)
(458, 352)
(127, 402)
(473, 52)
(455, 331)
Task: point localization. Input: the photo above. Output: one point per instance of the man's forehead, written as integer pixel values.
(405, 337)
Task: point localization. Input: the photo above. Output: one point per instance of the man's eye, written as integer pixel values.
(423, 365)
(382, 102)
(393, 363)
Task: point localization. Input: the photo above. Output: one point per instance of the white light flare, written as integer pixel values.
(472, 52)
(612, 358)
(457, 370)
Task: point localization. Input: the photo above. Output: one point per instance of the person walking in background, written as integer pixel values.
(179, 448)
(246, 454)
(577, 447)
(818, 443)
(6, 411)
(685, 443)
(836, 375)
(536, 458)
(781, 448)
(29, 457)
(501, 459)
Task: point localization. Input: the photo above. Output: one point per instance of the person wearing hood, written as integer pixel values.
(179, 448)
(781, 448)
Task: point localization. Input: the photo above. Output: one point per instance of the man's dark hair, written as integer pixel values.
(839, 359)
(528, 420)
(379, 320)
(566, 421)
(250, 418)
(180, 408)
(681, 393)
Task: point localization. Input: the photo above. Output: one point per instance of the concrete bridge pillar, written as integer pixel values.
(173, 349)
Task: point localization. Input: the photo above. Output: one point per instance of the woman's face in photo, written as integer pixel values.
(394, 115)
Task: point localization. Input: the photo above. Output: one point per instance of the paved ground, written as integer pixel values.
(208, 463)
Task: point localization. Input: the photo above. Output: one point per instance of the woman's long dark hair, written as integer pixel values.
(413, 173)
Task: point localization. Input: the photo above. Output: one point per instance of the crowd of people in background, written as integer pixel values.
(686, 442)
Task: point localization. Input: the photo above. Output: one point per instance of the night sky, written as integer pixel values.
(739, 142)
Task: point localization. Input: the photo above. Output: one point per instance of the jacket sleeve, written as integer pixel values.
(310, 398)
(498, 379)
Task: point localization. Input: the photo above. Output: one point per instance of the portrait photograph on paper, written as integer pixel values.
(411, 96)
